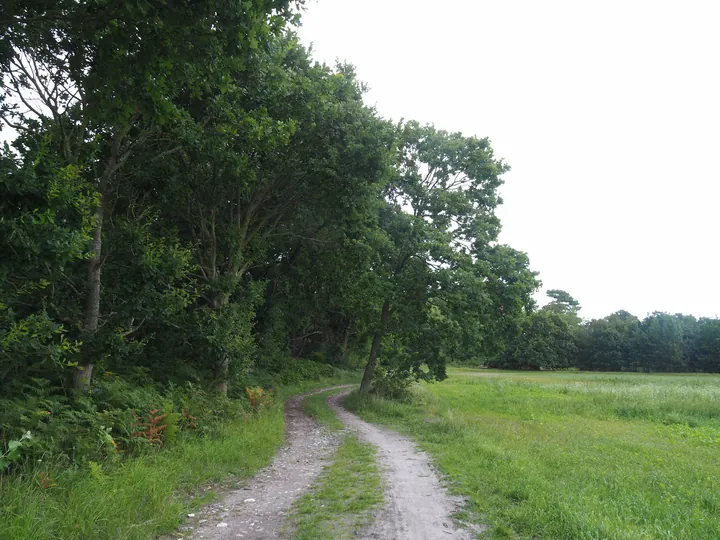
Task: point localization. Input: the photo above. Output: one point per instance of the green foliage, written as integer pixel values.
(439, 264)
(147, 496)
(705, 349)
(44, 229)
(563, 304)
(110, 422)
(554, 338)
(14, 451)
(545, 341)
(392, 382)
(661, 342)
(296, 370)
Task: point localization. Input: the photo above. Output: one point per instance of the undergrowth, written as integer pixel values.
(148, 494)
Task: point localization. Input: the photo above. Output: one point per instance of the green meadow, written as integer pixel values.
(572, 454)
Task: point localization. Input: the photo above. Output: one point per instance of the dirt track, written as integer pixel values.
(258, 511)
(417, 506)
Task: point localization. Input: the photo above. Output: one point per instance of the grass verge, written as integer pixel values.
(572, 455)
(341, 502)
(144, 497)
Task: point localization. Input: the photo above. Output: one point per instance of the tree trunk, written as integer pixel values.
(222, 366)
(82, 377)
(222, 369)
(374, 348)
(91, 318)
(295, 344)
(346, 340)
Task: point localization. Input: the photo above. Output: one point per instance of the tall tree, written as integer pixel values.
(705, 350)
(285, 139)
(545, 341)
(608, 344)
(439, 209)
(563, 304)
(661, 344)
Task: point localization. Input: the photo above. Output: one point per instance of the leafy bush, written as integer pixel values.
(13, 452)
(286, 372)
(392, 383)
(294, 371)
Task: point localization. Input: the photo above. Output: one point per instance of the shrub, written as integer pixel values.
(302, 369)
(259, 398)
(392, 383)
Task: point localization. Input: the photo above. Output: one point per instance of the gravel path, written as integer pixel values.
(417, 506)
(258, 511)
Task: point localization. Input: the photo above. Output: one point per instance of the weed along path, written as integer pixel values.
(417, 506)
(258, 510)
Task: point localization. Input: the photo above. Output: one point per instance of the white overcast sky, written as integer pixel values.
(608, 113)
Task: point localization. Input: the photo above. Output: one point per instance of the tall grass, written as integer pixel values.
(574, 455)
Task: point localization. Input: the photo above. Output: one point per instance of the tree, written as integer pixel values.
(705, 351)
(286, 139)
(45, 227)
(661, 345)
(563, 304)
(545, 341)
(103, 76)
(607, 344)
(439, 208)
(480, 303)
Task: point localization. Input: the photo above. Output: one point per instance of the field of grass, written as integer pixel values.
(573, 455)
(341, 502)
(148, 496)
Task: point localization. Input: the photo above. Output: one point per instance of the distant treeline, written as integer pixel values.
(554, 337)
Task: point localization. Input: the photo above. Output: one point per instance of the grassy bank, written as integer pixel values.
(573, 455)
(146, 496)
(341, 502)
